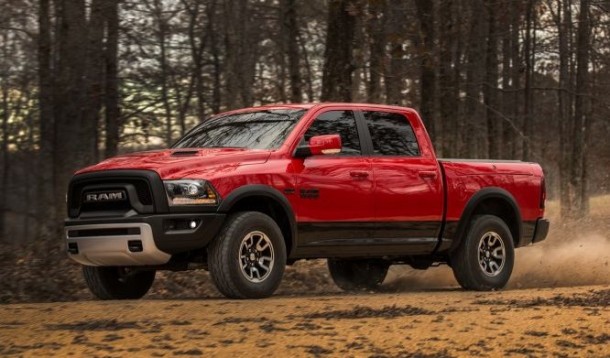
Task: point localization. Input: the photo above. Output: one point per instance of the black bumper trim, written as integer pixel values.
(541, 231)
(169, 241)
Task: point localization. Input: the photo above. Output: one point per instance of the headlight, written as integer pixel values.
(190, 192)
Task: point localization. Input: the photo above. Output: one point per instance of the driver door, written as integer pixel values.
(334, 191)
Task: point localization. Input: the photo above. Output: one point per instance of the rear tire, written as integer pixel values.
(485, 258)
(358, 275)
(248, 257)
(118, 283)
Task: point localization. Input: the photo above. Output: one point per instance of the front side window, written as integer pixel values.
(337, 122)
(392, 134)
(265, 129)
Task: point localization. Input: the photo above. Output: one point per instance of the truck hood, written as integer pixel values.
(184, 162)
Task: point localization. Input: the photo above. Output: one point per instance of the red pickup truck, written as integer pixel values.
(249, 191)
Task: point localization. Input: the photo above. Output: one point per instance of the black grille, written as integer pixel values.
(141, 185)
(138, 190)
(106, 206)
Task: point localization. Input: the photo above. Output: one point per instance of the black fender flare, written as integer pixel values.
(478, 198)
(251, 190)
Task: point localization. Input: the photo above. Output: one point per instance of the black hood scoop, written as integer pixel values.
(185, 153)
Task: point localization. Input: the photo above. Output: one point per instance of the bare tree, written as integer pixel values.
(240, 52)
(490, 89)
(474, 78)
(73, 133)
(337, 74)
(112, 109)
(377, 42)
(94, 72)
(563, 19)
(449, 65)
(427, 81)
(162, 18)
(529, 54)
(46, 159)
(291, 38)
(394, 74)
(215, 51)
(4, 107)
(582, 121)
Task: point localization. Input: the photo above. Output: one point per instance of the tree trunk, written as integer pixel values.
(73, 148)
(564, 18)
(308, 70)
(231, 56)
(377, 42)
(281, 55)
(95, 73)
(46, 179)
(516, 62)
(490, 92)
(162, 24)
(216, 88)
(358, 60)
(291, 27)
(578, 180)
(5, 155)
(507, 132)
(528, 93)
(337, 73)
(112, 110)
(240, 53)
(427, 80)
(459, 55)
(474, 76)
(197, 43)
(448, 90)
(394, 74)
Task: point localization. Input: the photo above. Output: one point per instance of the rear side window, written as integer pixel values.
(392, 134)
(337, 122)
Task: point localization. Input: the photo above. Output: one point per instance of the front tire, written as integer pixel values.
(484, 260)
(358, 275)
(248, 257)
(118, 283)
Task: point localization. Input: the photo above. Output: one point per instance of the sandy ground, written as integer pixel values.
(435, 323)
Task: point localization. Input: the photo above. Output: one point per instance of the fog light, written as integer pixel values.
(193, 224)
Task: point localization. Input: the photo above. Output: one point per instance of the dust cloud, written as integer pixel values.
(581, 261)
(567, 258)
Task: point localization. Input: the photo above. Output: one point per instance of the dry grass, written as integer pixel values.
(599, 208)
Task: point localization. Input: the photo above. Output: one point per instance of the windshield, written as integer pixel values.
(253, 130)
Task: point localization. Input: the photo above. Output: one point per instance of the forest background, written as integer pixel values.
(82, 80)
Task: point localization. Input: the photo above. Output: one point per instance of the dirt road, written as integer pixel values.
(440, 323)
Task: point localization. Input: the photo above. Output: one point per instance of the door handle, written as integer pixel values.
(359, 175)
(427, 174)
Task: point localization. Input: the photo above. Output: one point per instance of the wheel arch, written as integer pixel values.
(269, 201)
(491, 201)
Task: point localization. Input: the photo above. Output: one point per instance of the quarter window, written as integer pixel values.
(392, 134)
(337, 122)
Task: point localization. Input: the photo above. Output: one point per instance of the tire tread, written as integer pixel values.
(220, 264)
(462, 260)
(103, 284)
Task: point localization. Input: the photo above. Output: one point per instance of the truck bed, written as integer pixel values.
(466, 177)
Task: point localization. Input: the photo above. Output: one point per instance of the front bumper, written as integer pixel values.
(138, 240)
